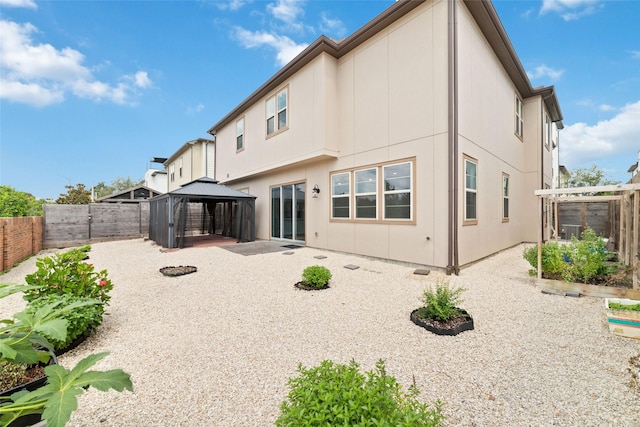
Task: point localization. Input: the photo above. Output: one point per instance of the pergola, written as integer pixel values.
(218, 206)
(628, 196)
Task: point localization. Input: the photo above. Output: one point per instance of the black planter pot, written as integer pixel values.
(32, 385)
(180, 270)
(304, 287)
(75, 343)
(467, 325)
(30, 420)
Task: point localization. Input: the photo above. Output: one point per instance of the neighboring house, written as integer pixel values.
(413, 139)
(156, 179)
(195, 159)
(136, 194)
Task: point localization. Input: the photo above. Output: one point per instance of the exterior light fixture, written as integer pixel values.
(316, 191)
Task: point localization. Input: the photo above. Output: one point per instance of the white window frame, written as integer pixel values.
(386, 192)
(172, 172)
(519, 118)
(273, 111)
(505, 197)
(357, 194)
(469, 220)
(180, 163)
(240, 135)
(547, 131)
(346, 195)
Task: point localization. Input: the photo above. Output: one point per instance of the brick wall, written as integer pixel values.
(20, 238)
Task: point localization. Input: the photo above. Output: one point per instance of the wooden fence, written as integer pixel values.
(73, 225)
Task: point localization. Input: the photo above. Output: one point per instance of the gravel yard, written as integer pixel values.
(215, 348)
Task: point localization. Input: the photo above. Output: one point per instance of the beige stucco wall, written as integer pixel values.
(197, 162)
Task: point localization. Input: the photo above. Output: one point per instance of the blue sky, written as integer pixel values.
(92, 90)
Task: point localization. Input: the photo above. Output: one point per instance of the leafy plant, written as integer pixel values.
(552, 258)
(441, 303)
(79, 320)
(58, 399)
(11, 374)
(316, 276)
(334, 394)
(618, 306)
(66, 273)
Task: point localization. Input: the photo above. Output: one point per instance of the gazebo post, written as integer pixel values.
(540, 232)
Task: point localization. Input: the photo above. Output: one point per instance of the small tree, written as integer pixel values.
(589, 177)
(77, 195)
(18, 203)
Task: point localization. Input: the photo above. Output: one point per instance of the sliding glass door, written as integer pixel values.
(287, 212)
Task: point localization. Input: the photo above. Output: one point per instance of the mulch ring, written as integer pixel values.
(178, 271)
(305, 287)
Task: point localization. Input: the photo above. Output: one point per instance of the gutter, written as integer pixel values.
(453, 266)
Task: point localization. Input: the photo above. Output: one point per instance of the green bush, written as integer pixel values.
(553, 261)
(66, 273)
(442, 303)
(579, 261)
(316, 276)
(340, 395)
(80, 320)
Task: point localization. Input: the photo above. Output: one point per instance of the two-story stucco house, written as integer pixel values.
(195, 159)
(421, 134)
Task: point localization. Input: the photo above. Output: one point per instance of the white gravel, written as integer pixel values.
(215, 348)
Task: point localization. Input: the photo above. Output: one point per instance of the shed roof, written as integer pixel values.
(209, 187)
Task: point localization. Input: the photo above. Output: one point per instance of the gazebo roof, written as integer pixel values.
(209, 188)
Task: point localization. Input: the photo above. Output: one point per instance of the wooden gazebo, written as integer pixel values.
(627, 196)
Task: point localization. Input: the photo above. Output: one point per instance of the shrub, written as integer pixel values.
(553, 261)
(441, 303)
(334, 394)
(79, 321)
(316, 276)
(67, 273)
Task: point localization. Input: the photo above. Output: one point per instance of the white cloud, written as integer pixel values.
(19, 3)
(570, 10)
(40, 75)
(544, 71)
(286, 11)
(286, 49)
(332, 27)
(635, 54)
(581, 143)
(231, 5)
(195, 109)
(606, 107)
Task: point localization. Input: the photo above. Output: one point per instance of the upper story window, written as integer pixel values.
(519, 117)
(240, 134)
(470, 191)
(180, 167)
(172, 172)
(276, 112)
(505, 197)
(379, 193)
(340, 195)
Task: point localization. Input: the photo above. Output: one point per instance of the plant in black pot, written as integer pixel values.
(314, 277)
(22, 343)
(440, 312)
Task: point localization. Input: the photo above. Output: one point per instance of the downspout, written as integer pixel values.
(452, 39)
(542, 148)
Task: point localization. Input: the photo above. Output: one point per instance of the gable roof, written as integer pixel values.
(117, 197)
(482, 11)
(209, 188)
(184, 147)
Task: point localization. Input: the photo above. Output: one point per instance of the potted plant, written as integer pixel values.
(314, 277)
(623, 316)
(440, 313)
(53, 400)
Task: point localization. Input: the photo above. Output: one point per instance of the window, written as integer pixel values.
(470, 191)
(340, 197)
(547, 131)
(172, 172)
(397, 191)
(240, 134)
(366, 187)
(380, 193)
(180, 167)
(505, 197)
(276, 109)
(519, 129)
